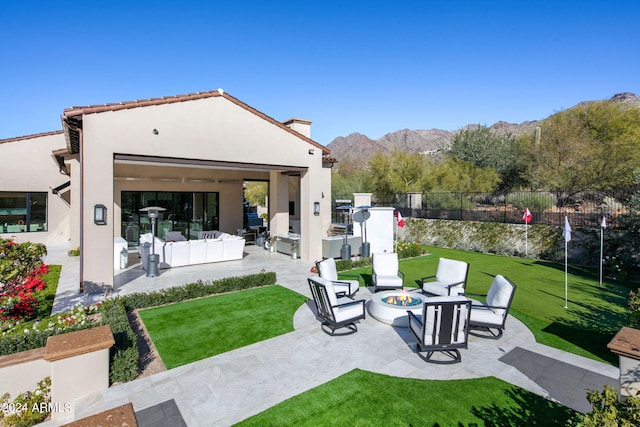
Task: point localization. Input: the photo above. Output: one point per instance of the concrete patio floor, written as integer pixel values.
(225, 389)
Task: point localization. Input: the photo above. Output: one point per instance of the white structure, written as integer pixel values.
(190, 154)
(379, 228)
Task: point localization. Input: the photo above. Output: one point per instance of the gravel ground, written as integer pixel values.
(150, 362)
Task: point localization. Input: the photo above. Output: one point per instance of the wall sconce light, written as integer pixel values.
(311, 151)
(316, 208)
(100, 215)
(155, 131)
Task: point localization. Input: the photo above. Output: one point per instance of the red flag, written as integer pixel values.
(399, 219)
(527, 216)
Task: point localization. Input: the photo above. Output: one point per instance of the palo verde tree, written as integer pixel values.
(486, 149)
(591, 146)
(457, 175)
(397, 172)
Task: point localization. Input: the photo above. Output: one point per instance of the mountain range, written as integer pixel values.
(358, 149)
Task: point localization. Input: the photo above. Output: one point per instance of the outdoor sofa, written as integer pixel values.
(225, 247)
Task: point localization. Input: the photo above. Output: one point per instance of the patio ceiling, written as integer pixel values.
(138, 160)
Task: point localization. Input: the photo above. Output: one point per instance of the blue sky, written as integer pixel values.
(370, 67)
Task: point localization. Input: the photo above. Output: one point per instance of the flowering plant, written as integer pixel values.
(21, 271)
(615, 266)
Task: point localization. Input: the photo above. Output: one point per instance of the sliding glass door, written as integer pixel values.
(186, 212)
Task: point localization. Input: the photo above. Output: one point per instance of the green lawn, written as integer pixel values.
(361, 398)
(594, 314)
(197, 329)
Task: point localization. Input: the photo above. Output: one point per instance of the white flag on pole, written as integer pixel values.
(604, 222)
(566, 233)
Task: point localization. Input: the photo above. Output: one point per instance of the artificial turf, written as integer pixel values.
(361, 398)
(201, 328)
(593, 315)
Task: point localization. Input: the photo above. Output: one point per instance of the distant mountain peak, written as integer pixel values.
(359, 148)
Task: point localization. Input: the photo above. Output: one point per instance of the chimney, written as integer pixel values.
(301, 126)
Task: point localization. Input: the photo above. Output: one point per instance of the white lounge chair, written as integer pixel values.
(386, 272)
(442, 328)
(450, 278)
(327, 270)
(490, 316)
(333, 312)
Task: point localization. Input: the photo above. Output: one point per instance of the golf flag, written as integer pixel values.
(399, 219)
(603, 225)
(527, 219)
(566, 233)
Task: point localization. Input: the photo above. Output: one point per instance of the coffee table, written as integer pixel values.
(391, 307)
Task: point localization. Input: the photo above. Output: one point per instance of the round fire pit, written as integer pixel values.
(391, 306)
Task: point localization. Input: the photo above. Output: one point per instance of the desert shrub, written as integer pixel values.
(447, 201)
(535, 201)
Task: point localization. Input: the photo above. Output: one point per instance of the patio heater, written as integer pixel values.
(365, 249)
(345, 252)
(153, 259)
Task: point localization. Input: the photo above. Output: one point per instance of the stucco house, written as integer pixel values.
(190, 154)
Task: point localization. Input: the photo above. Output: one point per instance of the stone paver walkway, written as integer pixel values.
(230, 387)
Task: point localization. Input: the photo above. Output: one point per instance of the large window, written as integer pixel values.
(23, 212)
(188, 213)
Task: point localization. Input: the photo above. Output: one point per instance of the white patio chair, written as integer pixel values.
(327, 270)
(333, 312)
(386, 273)
(450, 278)
(490, 316)
(442, 328)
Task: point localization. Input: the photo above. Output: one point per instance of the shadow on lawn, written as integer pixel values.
(525, 408)
(590, 330)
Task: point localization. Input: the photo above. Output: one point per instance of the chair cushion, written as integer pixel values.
(327, 269)
(451, 270)
(440, 288)
(433, 320)
(347, 312)
(331, 291)
(385, 281)
(385, 263)
(481, 314)
(499, 293)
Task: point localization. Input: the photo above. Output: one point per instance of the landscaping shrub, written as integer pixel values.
(24, 336)
(634, 309)
(196, 290)
(410, 250)
(347, 264)
(124, 354)
(28, 408)
(21, 272)
(609, 411)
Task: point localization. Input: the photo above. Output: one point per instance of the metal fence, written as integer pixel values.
(584, 209)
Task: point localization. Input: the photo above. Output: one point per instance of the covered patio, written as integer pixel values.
(193, 154)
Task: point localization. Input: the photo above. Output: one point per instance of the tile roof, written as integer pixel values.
(35, 135)
(72, 117)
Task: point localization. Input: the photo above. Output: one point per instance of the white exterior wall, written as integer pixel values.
(29, 166)
(209, 129)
